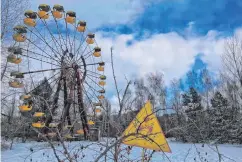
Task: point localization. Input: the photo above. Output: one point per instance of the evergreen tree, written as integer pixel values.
(235, 130)
(239, 133)
(42, 95)
(220, 118)
(192, 101)
(194, 112)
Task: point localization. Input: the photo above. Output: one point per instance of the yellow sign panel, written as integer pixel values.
(145, 131)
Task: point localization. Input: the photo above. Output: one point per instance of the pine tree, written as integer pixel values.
(239, 133)
(235, 130)
(43, 93)
(194, 112)
(220, 118)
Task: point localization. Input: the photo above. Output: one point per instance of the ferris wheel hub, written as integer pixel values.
(75, 66)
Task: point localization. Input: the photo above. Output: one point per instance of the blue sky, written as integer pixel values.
(164, 16)
(158, 35)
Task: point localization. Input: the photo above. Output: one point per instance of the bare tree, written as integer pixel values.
(121, 99)
(207, 86)
(12, 13)
(156, 86)
(232, 73)
(176, 99)
(141, 93)
(232, 58)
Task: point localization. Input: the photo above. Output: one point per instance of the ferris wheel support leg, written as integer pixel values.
(82, 112)
(55, 104)
(67, 105)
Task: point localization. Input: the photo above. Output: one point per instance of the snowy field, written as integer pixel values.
(181, 152)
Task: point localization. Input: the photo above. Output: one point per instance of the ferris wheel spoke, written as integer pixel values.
(42, 38)
(84, 49)
(69, 40)
(81, 43)
(27, 50)
(88, 56)
(66, 30)
(55, 105)
(55, 100)
(94, 72)
(59, 33)
(90, 64)
(93, 76)
(81, 40)
(74, 41)
(93, 89)
(52, 36)
(94, 81)
(88, 95)
(39, 59)
(94, 96)
(44, 51)
(78, 59)
(29, 65)
(88, 53)
(44, 41)
(47, 80)
(55, 81)
(38, 71)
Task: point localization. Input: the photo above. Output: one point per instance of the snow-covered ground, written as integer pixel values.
(180, 152)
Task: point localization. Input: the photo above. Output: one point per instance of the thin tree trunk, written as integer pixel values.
(116, 85)
(4, 70)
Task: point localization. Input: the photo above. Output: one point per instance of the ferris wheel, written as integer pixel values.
(55, 48)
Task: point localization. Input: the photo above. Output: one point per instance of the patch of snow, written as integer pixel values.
(180, 152)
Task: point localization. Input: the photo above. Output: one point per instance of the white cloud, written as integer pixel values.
(170, 53)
